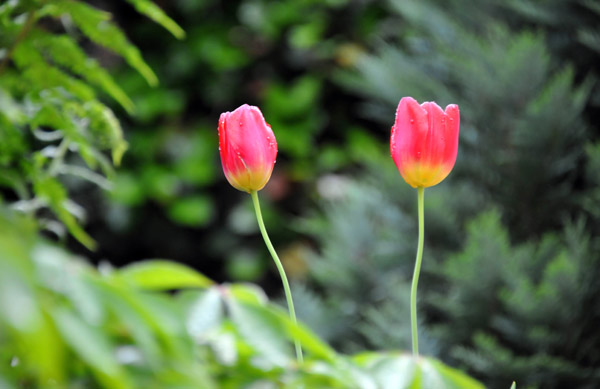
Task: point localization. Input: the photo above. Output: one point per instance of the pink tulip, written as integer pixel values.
(248, 148)
(424, 141)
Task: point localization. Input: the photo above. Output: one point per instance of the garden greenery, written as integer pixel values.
(153, 324)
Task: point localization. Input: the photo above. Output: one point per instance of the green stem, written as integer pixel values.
(415, 281)
(286, 285)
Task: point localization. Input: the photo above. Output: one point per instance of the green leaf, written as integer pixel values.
(454, 378)
(514, 385)
(55, 195)
(205, 313)
(261, 329)
(154, 12)
(64, 51)
(41, 75)
(106, 129)
(99, 28)
(393, 370)
(92, 347)
(163, 275)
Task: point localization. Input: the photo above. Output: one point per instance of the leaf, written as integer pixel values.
(41, 75)
(405, 371)
(261, 329)
(55, 195)
(308, 339)
(514, 385)
(106, 129)
(205, 313)
(64, 51)
(98, 27)
(154, 12)
(92, 347)
(163, 275)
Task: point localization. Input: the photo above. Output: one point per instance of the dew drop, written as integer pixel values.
(412, 120)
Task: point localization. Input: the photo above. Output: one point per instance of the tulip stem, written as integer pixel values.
(415, 280)
(286, 285)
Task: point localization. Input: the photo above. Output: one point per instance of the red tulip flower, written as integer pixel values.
(424, 145)
(248, 148)
(424, 141)
(248, 151)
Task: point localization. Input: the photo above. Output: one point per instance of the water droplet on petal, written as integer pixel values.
(412, 120)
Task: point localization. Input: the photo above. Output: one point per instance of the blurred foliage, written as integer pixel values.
(277, 55)
(66, 324)
(510, 287)
(509, 290)
(53, 124)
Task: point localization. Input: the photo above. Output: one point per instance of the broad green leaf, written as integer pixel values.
(153, 11)
(252, 296)
(163, 275)
(93, 347)
(98, 26)
(405, 371)
(205, 313)
(249, 293)
(455, 378)
(261, 329)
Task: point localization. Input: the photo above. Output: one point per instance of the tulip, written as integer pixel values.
(248, 148)
(424, 144)
(424, 141)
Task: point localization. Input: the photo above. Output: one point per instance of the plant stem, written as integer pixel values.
(415, 280)
(284, 280)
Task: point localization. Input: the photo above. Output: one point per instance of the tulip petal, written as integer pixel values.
(424, 141)
(248, 148)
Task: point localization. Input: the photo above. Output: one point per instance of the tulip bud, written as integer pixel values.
(248, 148)
(424, 141)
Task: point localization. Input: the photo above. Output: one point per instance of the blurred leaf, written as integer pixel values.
(260, 328)
(192, 211)
(51, 191)
(154, 12)
(163, 275)
(204, 314)
(97, 26)
(406, 371)
(93, 347)
(64, 51)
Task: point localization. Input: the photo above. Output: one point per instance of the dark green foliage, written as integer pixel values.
(524, 308)
(522, 126)
(509, 294)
